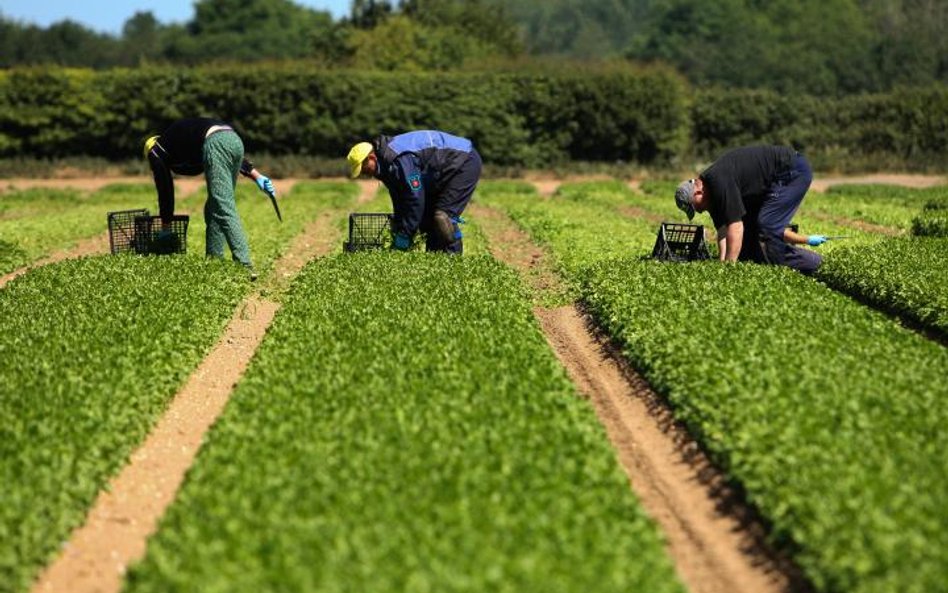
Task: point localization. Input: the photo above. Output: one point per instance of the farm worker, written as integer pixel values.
(430, 176)
(752, 194)
(197, 145)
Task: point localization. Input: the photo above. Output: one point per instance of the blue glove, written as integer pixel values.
(264, 183)
(815, 240)
(401, 242)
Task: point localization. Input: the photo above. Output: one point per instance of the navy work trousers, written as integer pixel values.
(776, 211)
(453, 199)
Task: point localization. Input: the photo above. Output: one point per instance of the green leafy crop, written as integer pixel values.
(39, 222)
(405, 427)
(828, 414)
(907, 276)
(93, 349)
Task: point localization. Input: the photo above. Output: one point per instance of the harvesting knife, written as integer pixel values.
(273, 201)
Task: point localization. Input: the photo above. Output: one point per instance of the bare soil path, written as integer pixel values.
(511, 245)
(713, 538)
(126, 513)
(905, 180)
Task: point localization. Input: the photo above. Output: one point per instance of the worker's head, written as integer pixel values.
(361, 160)
(689, 197)
(149, 144)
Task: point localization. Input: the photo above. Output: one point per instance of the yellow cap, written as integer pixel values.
(148, 145)
(357, 156)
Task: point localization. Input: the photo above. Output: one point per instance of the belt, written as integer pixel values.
(216, 129)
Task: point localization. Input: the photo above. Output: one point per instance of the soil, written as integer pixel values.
(114, 535)
(640, 213)
(511, 245)
(905, 180)
(858, 224)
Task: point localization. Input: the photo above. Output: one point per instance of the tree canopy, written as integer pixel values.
(812, 46)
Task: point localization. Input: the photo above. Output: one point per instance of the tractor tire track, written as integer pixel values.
(126, 512)
(716, 541)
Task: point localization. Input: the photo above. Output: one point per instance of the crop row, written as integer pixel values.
(907, 276)
(827, 413)
(933, 220)
(84, 381)
(35, 223)
(81, 384)
(405, 427)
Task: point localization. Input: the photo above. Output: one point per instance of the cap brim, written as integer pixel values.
(356, 170)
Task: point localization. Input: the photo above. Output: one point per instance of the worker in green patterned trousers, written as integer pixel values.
(198, 145)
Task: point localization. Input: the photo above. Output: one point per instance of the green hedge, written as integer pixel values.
(514, 118)
(532, 118)
(907, 127)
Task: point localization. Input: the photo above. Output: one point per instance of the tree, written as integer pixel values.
(485, 22)
(369, 14)
(250, 30)
(142, 38)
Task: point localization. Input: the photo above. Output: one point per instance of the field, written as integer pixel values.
(551, 412)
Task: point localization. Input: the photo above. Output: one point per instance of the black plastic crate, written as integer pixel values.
(154, 238)
(368, 230)
(680, 242)
(122, 229)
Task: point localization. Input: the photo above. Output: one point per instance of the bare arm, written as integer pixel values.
(795, 238)
(732, 241)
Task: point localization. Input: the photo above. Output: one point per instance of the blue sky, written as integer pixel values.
(108, 16)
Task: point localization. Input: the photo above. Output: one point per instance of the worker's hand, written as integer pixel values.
(401, 242)
(815, 240)
(265, 185)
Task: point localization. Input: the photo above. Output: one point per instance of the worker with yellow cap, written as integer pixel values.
(430, 176)
(198, 145)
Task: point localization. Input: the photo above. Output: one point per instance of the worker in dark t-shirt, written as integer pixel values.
(198, 145)
(752, 194)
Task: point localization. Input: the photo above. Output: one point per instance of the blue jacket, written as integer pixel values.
(416, 166)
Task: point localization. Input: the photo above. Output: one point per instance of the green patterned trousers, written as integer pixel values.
(223, 153)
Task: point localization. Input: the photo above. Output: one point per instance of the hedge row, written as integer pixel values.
(514, 118)
(645, 115)
(909, 126)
